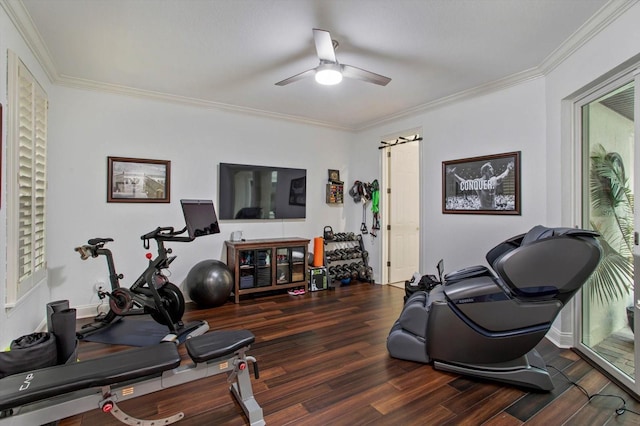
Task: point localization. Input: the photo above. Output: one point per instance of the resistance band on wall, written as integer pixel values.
(375, 207)
(365, 192)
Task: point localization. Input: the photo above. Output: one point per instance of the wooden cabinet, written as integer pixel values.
(335, 193)
(268, 264)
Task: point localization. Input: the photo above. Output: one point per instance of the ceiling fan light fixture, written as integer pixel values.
(330, 71)
(328, 75)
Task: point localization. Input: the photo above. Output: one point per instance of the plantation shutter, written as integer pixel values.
(29, 145)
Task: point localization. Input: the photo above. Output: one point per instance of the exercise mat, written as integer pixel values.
(57, 306)
(131, 331)
(63, 326)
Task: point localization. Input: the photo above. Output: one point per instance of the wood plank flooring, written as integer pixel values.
(323, 361)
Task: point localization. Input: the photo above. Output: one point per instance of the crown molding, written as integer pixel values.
(473, 92)
(83, 84)
(600, 20)
(608, 13)
(29, 33)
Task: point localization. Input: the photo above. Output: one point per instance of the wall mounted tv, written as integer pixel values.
(261, 192)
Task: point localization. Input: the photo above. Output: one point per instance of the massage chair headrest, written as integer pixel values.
(540, 232)
(544, 261)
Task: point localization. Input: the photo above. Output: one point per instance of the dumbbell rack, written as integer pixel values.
(346, 259)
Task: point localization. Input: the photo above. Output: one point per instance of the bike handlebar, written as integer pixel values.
(92, 247)
(85, 251)
(166, 233)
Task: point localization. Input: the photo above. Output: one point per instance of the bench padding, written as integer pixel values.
(218, 344)
(110, 369)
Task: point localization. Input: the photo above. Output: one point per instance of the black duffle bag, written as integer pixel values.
(426, 283)
(29, 352)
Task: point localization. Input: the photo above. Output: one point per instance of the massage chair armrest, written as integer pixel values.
(466, 273)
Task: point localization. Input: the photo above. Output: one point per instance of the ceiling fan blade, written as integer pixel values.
(324, 45)
(304, 74)
(364, 75)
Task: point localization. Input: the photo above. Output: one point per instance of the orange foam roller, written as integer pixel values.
(318, 251)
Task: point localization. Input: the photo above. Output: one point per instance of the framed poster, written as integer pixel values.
(137, 180)
(482, 185)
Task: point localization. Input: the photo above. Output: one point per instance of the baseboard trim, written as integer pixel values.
(561, 340)
(87, 311)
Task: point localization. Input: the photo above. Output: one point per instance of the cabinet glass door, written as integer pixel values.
(247, 268)
(298, 264)
(283, 268)
(263, 267)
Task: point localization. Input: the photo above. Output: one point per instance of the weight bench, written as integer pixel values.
(53, 393)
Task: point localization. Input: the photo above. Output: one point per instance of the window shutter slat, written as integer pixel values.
(29, 143)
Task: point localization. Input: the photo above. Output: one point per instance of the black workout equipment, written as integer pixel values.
(426, 283)
(58, 345)
(49, 394)
(152, 293)
(486, 323)
(35, 350)
(209, 283)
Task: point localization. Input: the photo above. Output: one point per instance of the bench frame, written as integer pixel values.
(236, 365)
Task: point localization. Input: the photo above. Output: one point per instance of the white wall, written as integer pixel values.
(504, 121)
(86, 127)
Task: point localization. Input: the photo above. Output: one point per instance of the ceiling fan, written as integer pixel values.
(330, 71)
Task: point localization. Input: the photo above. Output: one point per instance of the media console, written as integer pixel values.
(267, 264)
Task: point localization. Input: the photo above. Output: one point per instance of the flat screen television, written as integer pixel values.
(248, 192)
(200, 217)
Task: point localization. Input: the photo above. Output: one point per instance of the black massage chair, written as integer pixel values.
(486, 323)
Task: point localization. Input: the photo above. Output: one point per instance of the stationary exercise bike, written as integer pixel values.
(152, 293)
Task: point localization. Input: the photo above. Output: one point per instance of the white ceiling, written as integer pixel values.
(230, 53)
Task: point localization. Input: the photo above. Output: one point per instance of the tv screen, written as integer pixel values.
(261, 192)
(200, 217)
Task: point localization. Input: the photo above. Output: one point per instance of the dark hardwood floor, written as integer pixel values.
(323, 361)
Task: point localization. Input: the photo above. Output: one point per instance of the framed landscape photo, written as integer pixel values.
(137, 180)
(482, 185)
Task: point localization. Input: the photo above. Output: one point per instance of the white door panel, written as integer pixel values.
(404, 211)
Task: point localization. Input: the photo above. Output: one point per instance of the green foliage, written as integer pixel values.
(612, 200)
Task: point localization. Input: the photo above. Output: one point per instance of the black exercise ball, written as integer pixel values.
(209, 283)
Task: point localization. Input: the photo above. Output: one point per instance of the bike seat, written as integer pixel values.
(96, 241)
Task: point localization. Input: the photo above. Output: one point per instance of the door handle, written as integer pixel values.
(636, 238)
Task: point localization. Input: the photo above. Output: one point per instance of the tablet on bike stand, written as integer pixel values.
(200, 217)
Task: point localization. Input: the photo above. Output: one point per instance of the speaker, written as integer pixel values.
(318, 279)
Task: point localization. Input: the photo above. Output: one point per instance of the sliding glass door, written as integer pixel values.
(609, 146)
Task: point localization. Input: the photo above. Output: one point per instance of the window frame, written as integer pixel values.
(26, 180)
